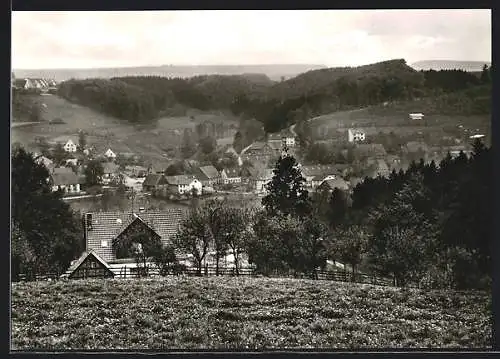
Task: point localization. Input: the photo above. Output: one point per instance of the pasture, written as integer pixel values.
(243, 313)
(394, 118)
(150, 141)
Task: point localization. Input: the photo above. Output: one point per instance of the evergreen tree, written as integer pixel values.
(485, 75)
(82, 140)
(93, 173)
(286, 191)
(47, 234)
(59, 155)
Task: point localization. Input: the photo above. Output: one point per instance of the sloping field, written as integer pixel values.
(105, 131)
(243, 313)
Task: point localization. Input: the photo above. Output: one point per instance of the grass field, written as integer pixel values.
(395, 118)
(105, 131)
(243, 313)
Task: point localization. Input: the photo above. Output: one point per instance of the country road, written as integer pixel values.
(292, 127)
(23, 124)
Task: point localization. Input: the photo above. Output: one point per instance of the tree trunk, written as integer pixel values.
(198, 269)
(217, 259)
(235, 255)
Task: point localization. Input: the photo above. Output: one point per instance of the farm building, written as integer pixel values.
(89, 265)
(70, 146)
(207, 175)
(63, 178)
(154, 181)
(110, 235)
(331, 184)
(260, 178)
(355, 135)
(416, 116)
(111, 171)
(314, 175)
(110, 154)
(183, 184)
(230, 175)
(284, 138)
(136, 171)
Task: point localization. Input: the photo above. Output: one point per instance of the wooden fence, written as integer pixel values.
(335, 275)
(210, 271)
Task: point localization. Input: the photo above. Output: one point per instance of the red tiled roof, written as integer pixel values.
(106, 226)
(208, 172)
(153, 179)
(179, 180)
(64, 176)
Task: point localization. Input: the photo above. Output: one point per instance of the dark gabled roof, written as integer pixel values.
(179, 180)
(258, 146)
(319, 170)
(232, 172)
(82, 259)
(336, 183)
(108, 225)
(208, 172)
(110, 167)
(154, 179)
(64, 176)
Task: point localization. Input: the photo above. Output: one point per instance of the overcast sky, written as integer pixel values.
(323, 37)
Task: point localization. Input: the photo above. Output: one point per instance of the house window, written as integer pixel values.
(104, 243)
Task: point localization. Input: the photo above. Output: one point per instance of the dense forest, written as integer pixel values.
(275, 104)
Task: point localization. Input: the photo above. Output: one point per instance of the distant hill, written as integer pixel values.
(274, 72)
(322, 80)
(470, 66)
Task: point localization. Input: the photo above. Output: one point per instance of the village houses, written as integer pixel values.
(182, 184)
(355, 135)
(70, 146)
(109, 154)
(230, 176)
(111, 172)
(208, 175)
(107, 235)
(63, 178)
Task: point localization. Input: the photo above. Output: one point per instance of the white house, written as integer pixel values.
(72, 161)
(184, 184)
(354, 135)
(289, 141)
(230, 175)
(70, 146)
(110, 154)
(416, 116)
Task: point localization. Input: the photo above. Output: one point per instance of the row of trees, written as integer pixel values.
(142, 98)
(428, 226)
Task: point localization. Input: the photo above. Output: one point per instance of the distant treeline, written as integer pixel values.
(144, 98)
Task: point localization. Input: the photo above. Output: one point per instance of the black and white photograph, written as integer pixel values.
(249, 180)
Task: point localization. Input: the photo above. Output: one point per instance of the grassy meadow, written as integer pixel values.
(243, 313)
(105, 131)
